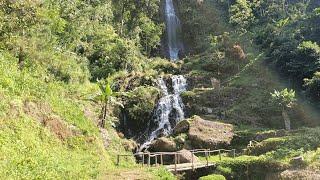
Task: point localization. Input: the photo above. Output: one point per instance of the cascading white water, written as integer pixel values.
(168, 104)
(173, 31)
(169, 110)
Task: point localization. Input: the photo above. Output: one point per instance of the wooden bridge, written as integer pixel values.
(156, 159)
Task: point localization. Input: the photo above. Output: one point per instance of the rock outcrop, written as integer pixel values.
(300, 174)
(182, 127)
(186, 156)
(129, 145)
(163, 144)
(270, 134)
(209, 134)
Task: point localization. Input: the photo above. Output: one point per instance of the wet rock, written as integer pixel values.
(186, 156)
(163, 144)
(208, 134)
(182, 127)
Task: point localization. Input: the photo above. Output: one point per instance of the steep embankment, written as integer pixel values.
(50, 126)
(50, 130)
(49, 52)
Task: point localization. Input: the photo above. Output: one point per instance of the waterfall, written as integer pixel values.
(173, 31)
(169, 110)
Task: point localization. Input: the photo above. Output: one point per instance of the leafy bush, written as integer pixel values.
(313, 87)
(241, 14)
(138, 111)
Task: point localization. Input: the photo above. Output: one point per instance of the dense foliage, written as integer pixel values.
(54, 54)
(49, 52)
(289, 32)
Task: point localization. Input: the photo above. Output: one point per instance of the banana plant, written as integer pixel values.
(107, 98)
(285, 99)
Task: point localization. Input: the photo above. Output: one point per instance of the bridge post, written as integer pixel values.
(161, 159)
(233, 153)
(142, 159)
(149, 159)
(219, 154)
(192, 161)
(156, 159)
(175, 162)
(207, 158)
(118, 160)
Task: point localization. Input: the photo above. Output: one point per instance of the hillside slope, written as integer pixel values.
(56, 122)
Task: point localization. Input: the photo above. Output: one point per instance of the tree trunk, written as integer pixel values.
(103, 116)
(286, 119)
(21, 58)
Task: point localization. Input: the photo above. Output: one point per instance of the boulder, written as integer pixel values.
(258, 148)
(237, 53)
(270, 134)
(297, 161)
(300, 174)
(180, 139)
(215, 83)
(129, 145)
(182, 127)
(185, 156)
(163, 144)
(209, 134)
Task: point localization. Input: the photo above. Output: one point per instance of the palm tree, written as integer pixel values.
(107, 98)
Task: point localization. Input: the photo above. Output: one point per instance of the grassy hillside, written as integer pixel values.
(231, 81)
(51, 54)
(55, 54)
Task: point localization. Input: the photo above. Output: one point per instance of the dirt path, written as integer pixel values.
(132, 174)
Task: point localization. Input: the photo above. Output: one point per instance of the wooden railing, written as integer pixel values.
(159, 156)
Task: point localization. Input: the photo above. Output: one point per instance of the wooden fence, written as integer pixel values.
(158, 157)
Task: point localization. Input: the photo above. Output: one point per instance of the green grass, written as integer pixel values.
(162, 174)
(245, 166)
(29, 151)
(213, 177)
